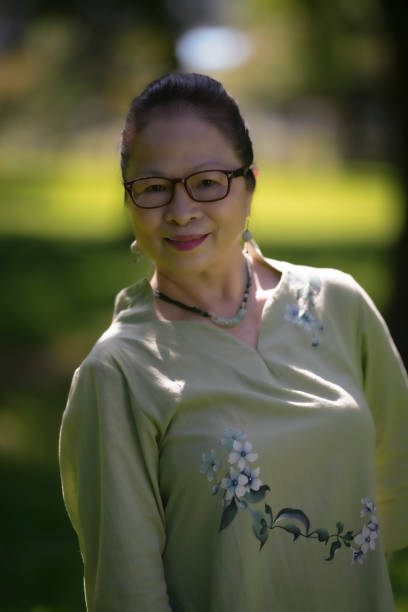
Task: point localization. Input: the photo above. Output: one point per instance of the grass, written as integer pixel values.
(326, 205)
(61, 197)
(71, 197)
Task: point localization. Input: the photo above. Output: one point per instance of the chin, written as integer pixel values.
(186, 263)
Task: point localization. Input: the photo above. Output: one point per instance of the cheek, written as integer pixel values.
(145, 226)
(234, 213)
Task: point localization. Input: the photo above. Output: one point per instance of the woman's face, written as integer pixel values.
(174, 147)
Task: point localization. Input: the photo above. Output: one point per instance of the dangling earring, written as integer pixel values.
(135, 249)
(247, 234)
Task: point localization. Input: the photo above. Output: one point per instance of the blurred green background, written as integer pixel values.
(324, 90)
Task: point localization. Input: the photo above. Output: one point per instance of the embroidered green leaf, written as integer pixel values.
(293, 529)
(347, 538)
(228, 515)
(260, 527)
(292, 520)
(322, 534)
(269, 516)
(293, 513)
(333, 548)
(257, 496)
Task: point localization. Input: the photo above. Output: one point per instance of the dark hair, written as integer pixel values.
(200, 93)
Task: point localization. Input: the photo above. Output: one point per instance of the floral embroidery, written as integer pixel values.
(368, 506)
(234, 484)
(303, 312)
(210, 464)
(242, 488)
(231, 436)
(241, 454)
(365, 540)
(253, 483)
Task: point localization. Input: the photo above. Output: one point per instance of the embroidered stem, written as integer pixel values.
(242, 488)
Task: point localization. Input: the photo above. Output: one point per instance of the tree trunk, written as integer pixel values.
(396, 13)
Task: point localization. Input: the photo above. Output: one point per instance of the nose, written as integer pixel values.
(182, 209)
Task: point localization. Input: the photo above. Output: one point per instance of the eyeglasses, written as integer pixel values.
(204, 186)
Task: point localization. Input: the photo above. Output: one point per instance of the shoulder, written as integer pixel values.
(326, 279)
(318, 280)
(133, 301)
(325, 282)
(324, 299)
(128, 335)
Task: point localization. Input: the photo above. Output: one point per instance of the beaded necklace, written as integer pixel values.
(222, 321)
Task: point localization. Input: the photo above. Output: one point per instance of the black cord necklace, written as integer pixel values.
(223, 321)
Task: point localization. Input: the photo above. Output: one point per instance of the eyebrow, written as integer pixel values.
(207, 165)
(151, 172)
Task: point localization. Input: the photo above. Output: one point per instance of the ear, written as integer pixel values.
(255, 172)
(126, 199)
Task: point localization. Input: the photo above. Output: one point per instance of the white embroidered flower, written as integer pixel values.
(253, 483)
(292, 313)
(366, 539)
(369, 506)
(303, 312)
(210, 464)
(231, 436)
(234, 484)
(302, 316)
(241, 454)
(373, 524)
(358, 555)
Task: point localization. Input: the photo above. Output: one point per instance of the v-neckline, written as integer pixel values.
(282, 267)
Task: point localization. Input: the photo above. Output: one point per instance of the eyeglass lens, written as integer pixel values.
(202, 187)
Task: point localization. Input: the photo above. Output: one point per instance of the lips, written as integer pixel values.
(186, 242)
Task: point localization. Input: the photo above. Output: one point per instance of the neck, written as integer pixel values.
(217, 288)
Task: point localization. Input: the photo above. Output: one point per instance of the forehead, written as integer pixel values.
(177, 144)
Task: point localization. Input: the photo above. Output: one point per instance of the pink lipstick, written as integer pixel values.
(187, 242)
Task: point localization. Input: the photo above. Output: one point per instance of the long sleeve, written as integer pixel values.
(109, 471)
(386, 390)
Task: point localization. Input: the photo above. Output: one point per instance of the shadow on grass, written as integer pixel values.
(41, 568)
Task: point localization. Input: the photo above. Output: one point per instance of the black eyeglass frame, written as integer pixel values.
(230, 174)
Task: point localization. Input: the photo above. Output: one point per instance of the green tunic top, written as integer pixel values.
(202, 475)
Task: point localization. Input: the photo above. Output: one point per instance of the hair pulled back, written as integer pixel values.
(201, 94)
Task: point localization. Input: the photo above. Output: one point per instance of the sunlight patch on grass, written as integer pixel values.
(327, 205)
(70, 196)
(65, 196)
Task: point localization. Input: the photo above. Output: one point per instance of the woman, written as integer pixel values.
(228, 438)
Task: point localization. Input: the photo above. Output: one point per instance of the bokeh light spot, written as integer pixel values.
(212, 48)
